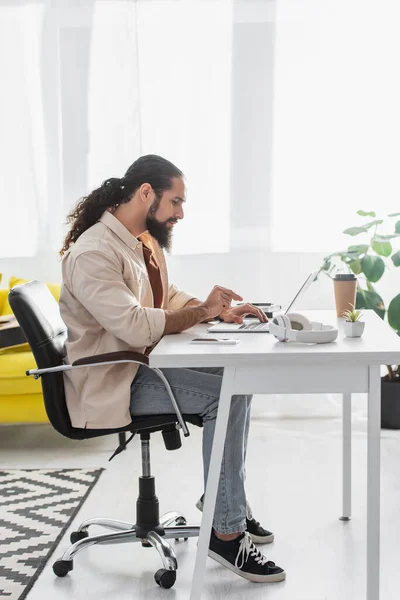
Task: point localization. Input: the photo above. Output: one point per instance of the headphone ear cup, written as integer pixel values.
(284, 322)
(302, 321)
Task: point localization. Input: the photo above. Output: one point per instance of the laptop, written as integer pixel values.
(257, 327)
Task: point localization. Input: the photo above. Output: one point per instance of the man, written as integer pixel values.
(116, 296)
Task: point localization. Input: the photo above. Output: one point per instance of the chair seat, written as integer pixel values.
(156, 422)
(145, 423)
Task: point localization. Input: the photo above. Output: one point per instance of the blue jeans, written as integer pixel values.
(197, 391)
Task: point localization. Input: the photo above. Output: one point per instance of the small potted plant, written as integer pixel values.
(352, 326)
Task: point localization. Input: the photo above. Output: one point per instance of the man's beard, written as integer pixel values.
(159, 230)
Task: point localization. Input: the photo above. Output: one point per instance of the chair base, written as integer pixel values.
(172, 525)
(149, 529)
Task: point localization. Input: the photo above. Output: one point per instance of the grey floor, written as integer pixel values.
(293, 484)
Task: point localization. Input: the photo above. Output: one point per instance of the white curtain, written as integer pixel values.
(22, 145)
(88, 87)
(283, 115)
(336, 119)
(162, 70)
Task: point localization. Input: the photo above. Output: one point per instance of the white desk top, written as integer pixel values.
(379, 345)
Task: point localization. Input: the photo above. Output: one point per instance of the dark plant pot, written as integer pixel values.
(390, 404)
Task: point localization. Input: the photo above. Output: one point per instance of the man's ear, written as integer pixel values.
(146, 192)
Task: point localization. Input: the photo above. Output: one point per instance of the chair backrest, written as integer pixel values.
(39, 317)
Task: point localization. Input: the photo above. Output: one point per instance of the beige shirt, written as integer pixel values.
(106, 303)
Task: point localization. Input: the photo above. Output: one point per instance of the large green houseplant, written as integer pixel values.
(368, 260)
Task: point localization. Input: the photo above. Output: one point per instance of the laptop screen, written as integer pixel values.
(303, 289)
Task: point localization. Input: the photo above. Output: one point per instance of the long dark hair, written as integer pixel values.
(152, 169)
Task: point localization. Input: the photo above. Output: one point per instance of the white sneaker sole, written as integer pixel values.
(257, 539)
(249, 576)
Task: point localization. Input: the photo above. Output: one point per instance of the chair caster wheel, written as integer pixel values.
(165, 579)
(76, 536)
(61, 568)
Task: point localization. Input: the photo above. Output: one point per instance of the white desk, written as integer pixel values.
(260, 364)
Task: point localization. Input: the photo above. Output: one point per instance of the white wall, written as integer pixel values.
(44, 267)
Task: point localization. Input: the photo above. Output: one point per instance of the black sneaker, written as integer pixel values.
(243, 558)
(258, 534)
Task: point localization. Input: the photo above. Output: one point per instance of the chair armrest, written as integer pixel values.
(123, 355)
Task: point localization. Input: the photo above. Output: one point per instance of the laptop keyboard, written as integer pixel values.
(255, 327)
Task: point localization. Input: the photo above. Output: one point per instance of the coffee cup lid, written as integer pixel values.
(345, 277)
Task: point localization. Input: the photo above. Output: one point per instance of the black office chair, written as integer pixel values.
(38, 315)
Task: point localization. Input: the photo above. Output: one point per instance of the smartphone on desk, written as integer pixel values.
(215, 341)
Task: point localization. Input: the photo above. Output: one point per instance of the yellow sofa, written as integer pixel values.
(21, 399)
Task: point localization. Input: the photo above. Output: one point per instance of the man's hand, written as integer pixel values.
(237, 313)
(219, 300)
(198, 312)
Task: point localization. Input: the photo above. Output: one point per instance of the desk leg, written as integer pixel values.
(346, 458)
(212, 482)
(373, 483)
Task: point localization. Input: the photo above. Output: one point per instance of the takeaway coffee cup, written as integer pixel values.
(345, 287)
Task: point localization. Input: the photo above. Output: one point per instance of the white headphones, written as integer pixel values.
(294, 327)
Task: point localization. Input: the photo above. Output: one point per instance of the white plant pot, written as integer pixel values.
(353, 330)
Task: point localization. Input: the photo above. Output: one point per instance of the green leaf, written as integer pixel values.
(362, 213)
(348, 256)
(355, 231)
(370, 300)
(363, 228)
(372, 223)
(394, 214)
(397, 227)
(373, 267)
(396, 258)
(355, 266)
(384, 238)
(382, 248)
(358, 249)
(394, 313)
